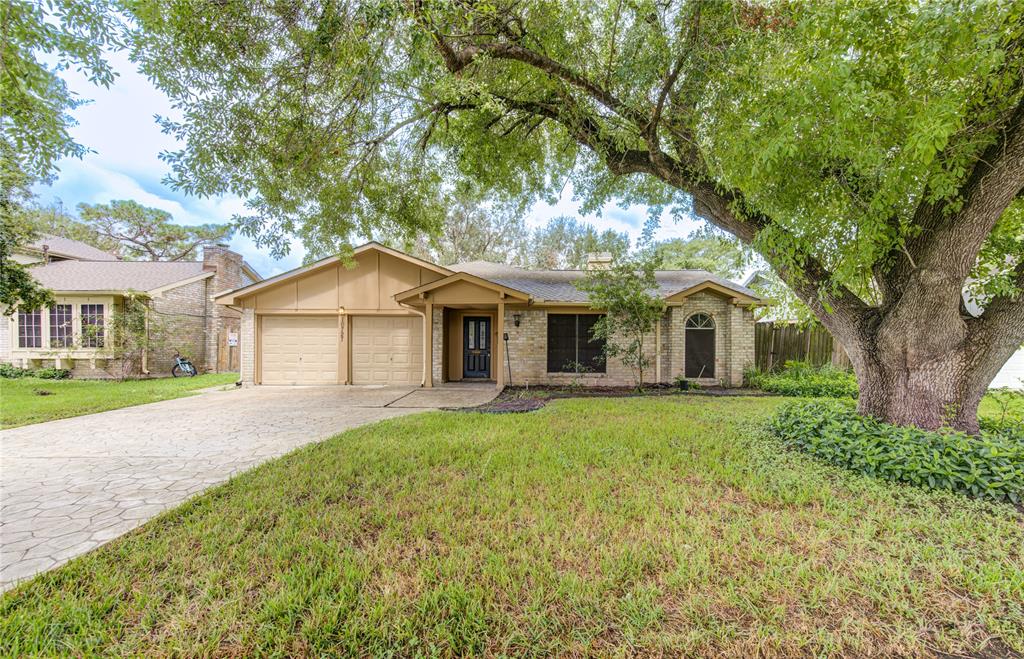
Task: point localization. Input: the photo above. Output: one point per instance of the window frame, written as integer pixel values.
(98, 340)
(596, 345)
(37, 325)
(65, 339)
(693, 322)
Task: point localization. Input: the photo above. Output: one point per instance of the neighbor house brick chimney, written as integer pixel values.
(599, 260)
(221, 321)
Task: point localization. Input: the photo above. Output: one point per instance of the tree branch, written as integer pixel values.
(814, 283)
(948, 241)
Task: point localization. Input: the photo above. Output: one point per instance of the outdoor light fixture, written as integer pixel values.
(516, 317)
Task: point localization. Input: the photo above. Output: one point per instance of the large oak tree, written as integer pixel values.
(869, 151)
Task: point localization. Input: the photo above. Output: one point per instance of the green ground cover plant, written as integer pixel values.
(11, 372)
(670, 525)
(803, 379)
(989, 465)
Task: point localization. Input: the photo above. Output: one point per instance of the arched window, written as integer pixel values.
(700, 321)
(699, 354)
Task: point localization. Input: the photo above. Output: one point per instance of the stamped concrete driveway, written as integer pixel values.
(69, 486)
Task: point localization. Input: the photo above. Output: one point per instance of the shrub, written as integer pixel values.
(53, 373)
(12, 372)
(803, 379)
(990, 465)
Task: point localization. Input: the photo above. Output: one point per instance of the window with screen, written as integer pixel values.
(570, 345)
(92, 325)
(60, 326)
(30, 329)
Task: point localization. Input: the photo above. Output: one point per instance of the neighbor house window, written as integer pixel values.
(92, 325)
(570, 346)
(60, 325)
(30, 329)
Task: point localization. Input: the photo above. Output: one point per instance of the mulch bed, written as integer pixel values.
(528, 399)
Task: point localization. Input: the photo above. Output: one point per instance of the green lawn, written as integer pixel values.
(664, 525)
(1000, 405)
(31, 400)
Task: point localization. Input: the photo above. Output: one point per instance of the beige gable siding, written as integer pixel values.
(367, 286)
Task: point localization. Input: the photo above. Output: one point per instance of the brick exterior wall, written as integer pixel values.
(528, 355)
(247, 346)
(186, 319)
(221, 321)
(437, 345)
(178, 322)
(734, 347)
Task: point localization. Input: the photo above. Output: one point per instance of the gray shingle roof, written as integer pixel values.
(67, 247)
(114, 275)
(557, 285)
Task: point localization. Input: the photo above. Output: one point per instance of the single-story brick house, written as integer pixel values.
(89, 285)
(388, 318)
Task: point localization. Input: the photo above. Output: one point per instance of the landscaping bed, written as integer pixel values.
(988, 465)
(657, 525)
(528, 399)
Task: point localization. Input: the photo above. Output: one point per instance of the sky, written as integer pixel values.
(118, 125)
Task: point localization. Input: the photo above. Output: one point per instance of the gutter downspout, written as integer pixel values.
(145, 351)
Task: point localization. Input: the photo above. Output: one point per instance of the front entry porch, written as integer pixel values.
(464, 336)
(468, 347)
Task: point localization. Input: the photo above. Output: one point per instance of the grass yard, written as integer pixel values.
(21, 402)
(1003, 403)
(591, 527)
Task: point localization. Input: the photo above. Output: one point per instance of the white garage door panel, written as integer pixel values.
(387, 350)
(299, 350)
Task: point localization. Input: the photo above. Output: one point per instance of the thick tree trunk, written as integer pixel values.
(931, 389)
(940, 393)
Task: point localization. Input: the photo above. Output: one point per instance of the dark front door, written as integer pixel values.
(476, 347)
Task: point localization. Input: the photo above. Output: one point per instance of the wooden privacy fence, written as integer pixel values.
(775, 343)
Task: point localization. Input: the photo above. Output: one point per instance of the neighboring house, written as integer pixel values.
(52, 249)
(333, 322)
(89, 285)
(1012, 373)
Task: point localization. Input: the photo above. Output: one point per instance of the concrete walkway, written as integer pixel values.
(69, 486)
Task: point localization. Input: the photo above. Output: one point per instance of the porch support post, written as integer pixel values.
(657, 351)
(428, 345)
(499, 379)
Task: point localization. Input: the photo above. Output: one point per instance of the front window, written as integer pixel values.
(60, 326)
(30, 329)
(92, 325)
(571, 348)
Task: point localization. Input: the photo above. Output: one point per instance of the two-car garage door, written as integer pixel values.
(304, 350)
